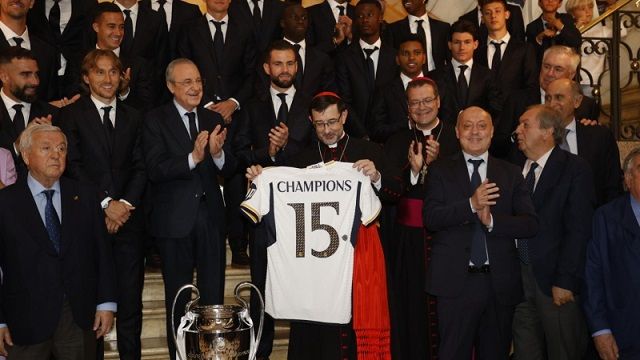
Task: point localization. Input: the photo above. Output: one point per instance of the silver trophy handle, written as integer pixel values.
(186, 309)
(241, 300)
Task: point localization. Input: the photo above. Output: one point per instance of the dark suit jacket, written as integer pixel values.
(176, 190)
(389, 111)
(515, 24)
(8, 134)
(47, 64)
(398, 31)
(564, 200)
(448, 214)
(569, 36)
(518, 69)
(322, 26)
(251, 143)
(612, 293)
(234, 75)
(515, 105)
(352, 85)
(73, 39)
(37, 279)
(118, 170)
(483, 92)
(269, 29)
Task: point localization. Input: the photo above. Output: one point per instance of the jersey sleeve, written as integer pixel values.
(256, 202)
(369, 203)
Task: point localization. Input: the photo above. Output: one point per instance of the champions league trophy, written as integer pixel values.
(217, 332)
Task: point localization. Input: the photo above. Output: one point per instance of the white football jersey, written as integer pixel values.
(312, 218)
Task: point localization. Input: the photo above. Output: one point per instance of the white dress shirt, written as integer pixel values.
(291, 92)
(491, 49)
(572, 138)
(542, 161)
(302, 51)
(9, 103)
(375, 55)
(10, 35)
(334, 8)
(456, 69)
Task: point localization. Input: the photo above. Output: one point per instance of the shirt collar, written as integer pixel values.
(484, 156)
(428, 132)
(504, 39)
(115, 51)
(36, 188)
(542, 161)
(571, 126)
(225, 19)
(8, 33)
(635, 206)
(364, 45)
(134, 8)
(302, 43)
(290, 92)
(9, 102)
(455, 63)
(182, 110)
(406, 80)
(425, 17)
(334, 3)
(99, 104)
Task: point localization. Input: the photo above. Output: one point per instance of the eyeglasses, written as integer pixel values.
(329, 123)
(424, 102)
(189, 82)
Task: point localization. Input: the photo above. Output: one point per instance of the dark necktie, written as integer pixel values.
(128, 31)
(497, 56)
(421, 34)
(161, 10)
(283, 110)
(371, 70)
(18, 119)
(54, 18)
(257, 15)
(463, 87)
(193, 129)
(108, 125)
(340, 10)
(52, 220)
(218, 41)
(300, 72)
(478, 243)
(530, 181)
(564, 145)
(18, 41)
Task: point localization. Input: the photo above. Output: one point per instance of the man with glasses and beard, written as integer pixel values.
(20, 105)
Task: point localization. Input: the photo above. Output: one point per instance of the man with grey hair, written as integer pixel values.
(558, 62)
(549, 322)
(611, 295)
(58, 292)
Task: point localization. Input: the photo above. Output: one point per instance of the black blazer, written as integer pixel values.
(251, 143)
(518, 69)
(569, 36)
(483, 92)
(448, 214)
(37, 279)
(234, 75)
(322, 25)
(564, 200)
(150, 40)
(176, 190)
(389, 111)
(398, 31)
(352, 85)
(116, 169)
(515, 24)
(47, 64)
(269, 29)
(8, 134)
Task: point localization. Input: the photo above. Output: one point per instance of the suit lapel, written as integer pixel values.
(475, 86)
(94, 121)
(327, 13)
(69, 200)
(386, 57)
(630, 224)
(5, 121)
(583, 144)
(207, 41)
(462, 174)
(120, 130)
(141, 23)
(551, 172)
(177, 128)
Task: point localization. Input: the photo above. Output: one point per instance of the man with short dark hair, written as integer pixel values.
(514, 21)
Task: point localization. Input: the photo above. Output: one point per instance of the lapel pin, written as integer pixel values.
(75, 197)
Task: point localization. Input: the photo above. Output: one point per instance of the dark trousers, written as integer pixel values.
(474, 320)
(235, 189)
(542, 330)
(69, 342)
(204, 250)
(258, 263)
(315, 341)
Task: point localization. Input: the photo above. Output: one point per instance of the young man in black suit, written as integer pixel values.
(549, 322)
(389, 112)
(365, 65)
(63, 25)
(552, 28)
(265, 19)
(58, 291)
(477, 206)
(330, 25)
(14, 32)
(20, 105)
(515, 22)
(184, 155)
(175, 13)
(432, 32)
(511, 60)
(105, 149)
(462, 82)
(224, 49)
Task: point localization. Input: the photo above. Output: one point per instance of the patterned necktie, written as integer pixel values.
(283, 110)
(478, 242)
(18, 119)
(530, 181)
(371, 70)
(463, 87)
(52, 220)
(497, 56)
(54, 18)
(193, 130)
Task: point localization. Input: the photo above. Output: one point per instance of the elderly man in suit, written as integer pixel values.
(611, 296)
(549, 322)
(58, 291)
(476, 205)
(105, 149)
(184, 155)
